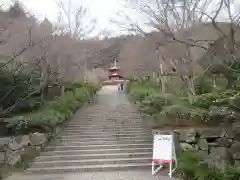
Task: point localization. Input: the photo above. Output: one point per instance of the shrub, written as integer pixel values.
(92, 88)
(64, 104)
(231, 173)
(183, 112)
(176, 111)
(81, 94)
(193, 168)
(52, 114)
(218, 115)
(235, 103)
(214, 99)
(43, 120)
(153, 104)
(205, 100)
(203, 84)
(73, 86)
(139, 95)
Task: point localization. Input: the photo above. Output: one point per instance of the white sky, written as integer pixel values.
(103, 10)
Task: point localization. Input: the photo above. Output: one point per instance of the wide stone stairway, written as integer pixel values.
(107, 136)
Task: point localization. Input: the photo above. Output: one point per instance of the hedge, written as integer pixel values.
(54, 113)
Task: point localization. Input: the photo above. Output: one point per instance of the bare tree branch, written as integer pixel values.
(77, 20)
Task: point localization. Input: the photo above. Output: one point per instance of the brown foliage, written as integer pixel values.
(35, 47)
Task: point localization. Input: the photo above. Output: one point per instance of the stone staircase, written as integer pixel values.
(106, 136)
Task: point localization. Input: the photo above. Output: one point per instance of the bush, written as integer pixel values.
(183, 113)
(193, 168)
(214, 99)
(43, 120)
(51, 114)
(153, 104)
(13, 87)
(139, 94)
(235, 103)
(176, 111)
(73, 86)
(64, 104)
(92, 88)
(203, 84)
(217, 115)
(205, 100)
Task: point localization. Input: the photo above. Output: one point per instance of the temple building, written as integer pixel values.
(114, 75)
(114, 72)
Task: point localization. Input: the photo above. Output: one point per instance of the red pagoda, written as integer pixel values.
(114, 77)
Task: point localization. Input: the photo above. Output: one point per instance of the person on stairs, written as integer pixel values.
(122, 85)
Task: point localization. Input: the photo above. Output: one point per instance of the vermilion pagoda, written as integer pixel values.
(114, 77)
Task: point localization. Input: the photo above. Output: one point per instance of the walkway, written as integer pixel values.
(105, 141)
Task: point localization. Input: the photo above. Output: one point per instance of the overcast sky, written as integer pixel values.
(103, 10)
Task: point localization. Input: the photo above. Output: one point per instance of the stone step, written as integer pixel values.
(104, 120)
(123, 131)
(109, 116)
(92, 156)
(96, 151)
(101, 128)
(58, 163)
(107, 126)
(98, 147)
(110, 138)
(101, 132)
(102, 142)
(90, 168)
(104, 135)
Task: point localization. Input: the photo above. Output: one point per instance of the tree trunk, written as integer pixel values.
(214, 81)
(62, 90)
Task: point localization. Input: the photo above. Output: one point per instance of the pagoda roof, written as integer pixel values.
(114, 74)
(114, 67)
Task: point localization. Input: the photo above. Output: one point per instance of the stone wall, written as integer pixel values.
(12, 149)
(221, 150)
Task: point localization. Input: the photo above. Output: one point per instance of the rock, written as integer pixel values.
(38, 139)
(236, 130)
(192, 136)
(220, 157)
(13, 157)
(176, 141)
(224, 142)
(213, 132)
(203, 144)
(38, 149)
(187, 147)
(58, 130)
(2, 157)
(228, 132)
(25, 141)
(14, 144)
(235, 149)
(4, 141)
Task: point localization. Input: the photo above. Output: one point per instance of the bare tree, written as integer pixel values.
(175, 19)
(77, 20)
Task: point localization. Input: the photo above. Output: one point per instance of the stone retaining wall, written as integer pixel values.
(219, 150)
(12, 149)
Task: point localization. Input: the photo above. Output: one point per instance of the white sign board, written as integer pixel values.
(162, 148)
(163, 152)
